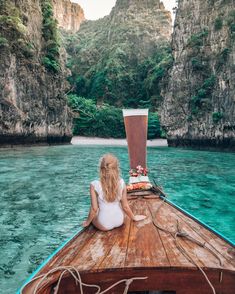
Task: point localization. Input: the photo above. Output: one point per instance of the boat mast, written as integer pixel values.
(136, 126)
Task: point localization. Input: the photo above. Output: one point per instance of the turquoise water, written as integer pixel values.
(44, 196)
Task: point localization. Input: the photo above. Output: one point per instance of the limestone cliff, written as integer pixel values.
(69, 15)
(116, 58)
(33, 107)
(144, 23)
(199, 99)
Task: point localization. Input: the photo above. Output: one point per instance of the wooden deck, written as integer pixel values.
(140, 249)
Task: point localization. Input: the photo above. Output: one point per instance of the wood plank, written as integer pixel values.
(117, 254)
(199, 254)
(65, 255)
(96, 249)
(145, 248)
(214, 242)
(176, 258)
(72, 249)
(169, 221)
(208, 258)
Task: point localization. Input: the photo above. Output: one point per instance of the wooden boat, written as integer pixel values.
(168, 252)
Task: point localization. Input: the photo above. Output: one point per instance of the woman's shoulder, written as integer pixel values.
(94, 182)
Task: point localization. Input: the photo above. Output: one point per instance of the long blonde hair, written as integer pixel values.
(110, 177)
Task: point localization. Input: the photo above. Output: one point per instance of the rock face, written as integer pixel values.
(33, 107)
(69, 15)
(199, 106)
(145, 23)
(111, 57)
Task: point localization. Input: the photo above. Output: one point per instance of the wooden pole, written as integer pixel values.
(136, 125)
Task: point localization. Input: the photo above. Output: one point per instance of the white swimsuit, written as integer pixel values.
(110, 214)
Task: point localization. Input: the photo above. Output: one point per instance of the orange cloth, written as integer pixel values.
(138, 186)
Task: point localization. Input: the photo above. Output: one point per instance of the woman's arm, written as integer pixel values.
(94, 207)
(127, 209)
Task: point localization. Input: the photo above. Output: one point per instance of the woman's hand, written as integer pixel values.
(85, 224)
(139, 217)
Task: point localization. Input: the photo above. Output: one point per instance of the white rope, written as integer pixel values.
(128, 282)
(77, 277)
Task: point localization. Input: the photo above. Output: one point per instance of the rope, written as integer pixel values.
(179, 233)
(127, 281)
(73, 271)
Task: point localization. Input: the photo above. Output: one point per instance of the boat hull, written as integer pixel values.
(143, 249)
(180, 281)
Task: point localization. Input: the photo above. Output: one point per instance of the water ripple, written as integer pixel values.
(45, 196)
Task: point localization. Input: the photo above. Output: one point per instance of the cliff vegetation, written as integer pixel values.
(33, 107)
(119, 61)
(199, 107)
(128, 59)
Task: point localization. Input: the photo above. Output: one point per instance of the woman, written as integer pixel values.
(108, 197)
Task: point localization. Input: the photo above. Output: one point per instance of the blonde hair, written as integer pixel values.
(109, 177)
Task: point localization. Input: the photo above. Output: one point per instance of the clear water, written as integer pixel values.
(44, 196)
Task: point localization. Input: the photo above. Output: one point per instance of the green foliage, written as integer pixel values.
(53, 48)
(163, 134)
(154, 129)
(197, 64)
(231, 18)
(50, 35)
(211, 2)
(51, 64)
(203, 95)
(197, 40)
(11, 23)
(14, 31)
(82, 105)
(3, 42)
(119, 82)
(231, 23)
(116, 72)
(190, 117)
(209, 83)
(225, 2)
(152, 72)
(104, 121)
(218, 24)
(232, 27)
(99, 85)
(26, 48)
(80, 84)
(217, 116)
(222, 58)
(111, 64)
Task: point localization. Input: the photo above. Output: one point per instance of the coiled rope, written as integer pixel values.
(73, 271)
(179, 233)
